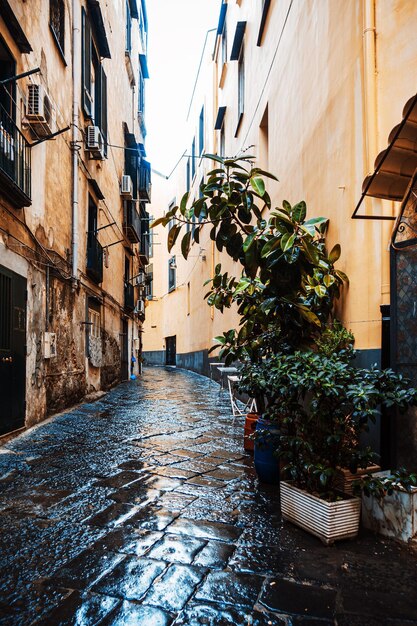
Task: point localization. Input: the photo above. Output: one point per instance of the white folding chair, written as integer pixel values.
(248, 407)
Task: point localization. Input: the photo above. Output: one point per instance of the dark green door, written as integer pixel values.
(12, 350)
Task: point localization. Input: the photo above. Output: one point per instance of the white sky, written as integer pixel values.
(177, 30)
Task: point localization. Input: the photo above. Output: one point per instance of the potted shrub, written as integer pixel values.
(389, 503)
(322, 405)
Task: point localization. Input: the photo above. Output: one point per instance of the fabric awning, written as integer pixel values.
(395, 166)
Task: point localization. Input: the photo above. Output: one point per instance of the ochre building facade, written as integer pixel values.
(74, 191)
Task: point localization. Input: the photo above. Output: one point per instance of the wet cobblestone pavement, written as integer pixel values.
(141, 509)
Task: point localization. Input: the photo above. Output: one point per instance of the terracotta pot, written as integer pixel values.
(250, 426)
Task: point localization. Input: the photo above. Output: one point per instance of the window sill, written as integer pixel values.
(58, 46)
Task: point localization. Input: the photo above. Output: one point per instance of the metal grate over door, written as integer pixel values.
(404, 287)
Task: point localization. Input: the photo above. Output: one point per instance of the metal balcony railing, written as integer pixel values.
(129, 297)
(131, 222)
(145, 181)
(15, 170)
(94, 259)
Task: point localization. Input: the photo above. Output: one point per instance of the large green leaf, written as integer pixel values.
(289, 242)
(299, 211)
(173, 235)
(335, 253)
(186, 244)
(258, 185)
(183, 203)
(160, 220)
(328, 280)
(249, 241)
(214, 157)
(311, 251)
(257, 170)
(320, 290)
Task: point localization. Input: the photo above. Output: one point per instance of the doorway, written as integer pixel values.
(171, 350)
(12, 350)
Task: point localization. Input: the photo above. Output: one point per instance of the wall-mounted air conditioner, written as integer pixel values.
(126, 186)
(94, 142)
(140, 307)
(39, 111)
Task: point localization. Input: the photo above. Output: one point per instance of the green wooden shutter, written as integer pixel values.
(86, 63)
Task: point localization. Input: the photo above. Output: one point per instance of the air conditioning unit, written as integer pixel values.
(140, 307)
(94, 142)
(126, 186)
(39, 111)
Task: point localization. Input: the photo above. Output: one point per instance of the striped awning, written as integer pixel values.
(395, 166)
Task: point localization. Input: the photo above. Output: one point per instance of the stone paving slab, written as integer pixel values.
(142, 509)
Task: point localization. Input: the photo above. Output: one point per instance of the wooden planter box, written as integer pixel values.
(392, 516)
(344, 480)
(329, 521)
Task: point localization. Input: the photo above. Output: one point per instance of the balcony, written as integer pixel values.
(129, 297)
(15, 172)
(131, 221)
(94, 259)
(145, 181)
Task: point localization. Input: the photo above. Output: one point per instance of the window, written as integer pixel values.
(193, 159)
(265, 9)
(222, 142)
(7, 69)
(149, 282)
(172, 274)
(128, 28)
(188, 298)
(201, 132)
(94, 81)
(241, 89)
(94, 322)
(57, 22)
(141, 93)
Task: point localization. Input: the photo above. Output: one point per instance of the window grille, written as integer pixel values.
(57, 21)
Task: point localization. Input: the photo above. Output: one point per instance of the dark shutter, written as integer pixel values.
(86, 63)
(103, 121)
(131, 167)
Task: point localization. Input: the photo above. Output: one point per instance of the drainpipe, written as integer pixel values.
(76, 88)
(369, 48)
(371, 110)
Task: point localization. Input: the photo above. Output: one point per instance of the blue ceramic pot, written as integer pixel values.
(266, 442)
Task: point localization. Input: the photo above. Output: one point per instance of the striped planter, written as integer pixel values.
(329, 521)
(344, 478)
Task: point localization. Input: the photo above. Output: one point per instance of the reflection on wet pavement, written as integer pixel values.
(143, 510)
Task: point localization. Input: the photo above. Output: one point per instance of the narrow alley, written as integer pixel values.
(142, 509)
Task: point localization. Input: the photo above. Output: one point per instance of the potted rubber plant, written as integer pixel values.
(288, 281)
